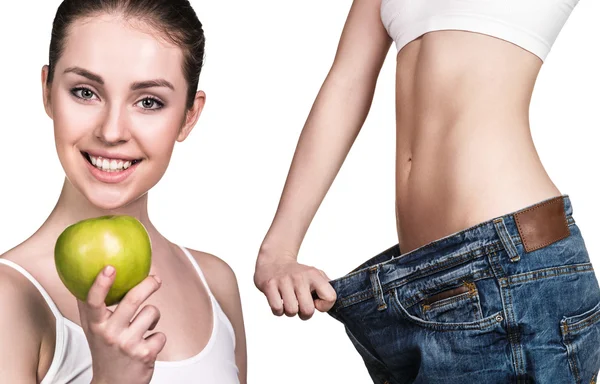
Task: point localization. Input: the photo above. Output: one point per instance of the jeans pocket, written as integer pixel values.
(581, 337)
(461, 312)
(459, 304)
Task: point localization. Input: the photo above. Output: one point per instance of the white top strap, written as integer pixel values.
(198, 270)
(217, 310)
(39, 287)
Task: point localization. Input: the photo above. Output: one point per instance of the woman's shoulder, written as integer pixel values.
(28, 264)
(220, 277)
(18, 291)
(15, 288)
(27, 324)
(222, 282)
(21, 328)
(24, 310)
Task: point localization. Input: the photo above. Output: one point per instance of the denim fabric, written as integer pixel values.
(524, 317)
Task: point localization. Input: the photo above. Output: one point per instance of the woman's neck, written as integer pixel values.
(73, 207)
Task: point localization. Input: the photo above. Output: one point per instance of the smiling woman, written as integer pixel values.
(119, 104)
(134, 112)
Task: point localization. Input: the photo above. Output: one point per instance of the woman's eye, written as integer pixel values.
(150, 103)
(87, 94)
(83, 93)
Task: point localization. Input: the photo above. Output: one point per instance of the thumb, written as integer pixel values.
(324, 296)
(94, 309)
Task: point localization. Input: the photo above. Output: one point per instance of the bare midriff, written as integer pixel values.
(464, 149)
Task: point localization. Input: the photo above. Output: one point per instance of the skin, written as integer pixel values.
(464, 151)
(171, 308)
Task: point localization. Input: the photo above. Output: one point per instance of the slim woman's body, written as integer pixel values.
(464, 150)
(490, 280)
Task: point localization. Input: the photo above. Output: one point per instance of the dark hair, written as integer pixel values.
(174, 19)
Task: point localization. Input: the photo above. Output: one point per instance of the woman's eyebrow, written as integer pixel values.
(85, 73)
(151, 84)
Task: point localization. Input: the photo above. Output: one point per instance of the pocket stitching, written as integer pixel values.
(550, 272)
(472, 299)
(421, 295)
(475, 325)
(447, 301)
(569, 331)
(571, 357)
(591, 317)
(450, 300)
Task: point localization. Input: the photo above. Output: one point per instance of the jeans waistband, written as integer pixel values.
(533, 227)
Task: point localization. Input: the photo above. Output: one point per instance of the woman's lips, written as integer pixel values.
(110, 170)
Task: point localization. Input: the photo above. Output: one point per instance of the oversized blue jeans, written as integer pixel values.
(512, 300)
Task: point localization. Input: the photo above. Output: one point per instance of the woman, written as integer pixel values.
(121, 89)
(490, 280)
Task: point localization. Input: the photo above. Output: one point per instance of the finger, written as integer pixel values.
(152, 345)
(144, 321)
(274, 298)
(324, 275)
(94, 309)
(306, 306)
(290, 302)
(326, 295)
(133, 300)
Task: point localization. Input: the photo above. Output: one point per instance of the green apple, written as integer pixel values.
(83, 249)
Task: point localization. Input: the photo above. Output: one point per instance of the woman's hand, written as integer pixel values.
(120, 352)
(289, 286)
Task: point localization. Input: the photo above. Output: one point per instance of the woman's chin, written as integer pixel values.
(109, 201)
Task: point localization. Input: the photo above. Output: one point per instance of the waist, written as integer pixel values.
(516, 243)
(450, 178)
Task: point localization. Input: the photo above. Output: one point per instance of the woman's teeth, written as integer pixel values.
(109, 165)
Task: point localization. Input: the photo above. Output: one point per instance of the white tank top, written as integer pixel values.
(72, 362)
(531, 24)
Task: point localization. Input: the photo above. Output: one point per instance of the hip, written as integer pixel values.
(512, 299)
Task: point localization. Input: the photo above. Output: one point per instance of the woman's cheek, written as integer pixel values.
(156, 131)
(73, 120)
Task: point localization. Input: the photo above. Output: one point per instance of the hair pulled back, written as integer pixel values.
(175, 20)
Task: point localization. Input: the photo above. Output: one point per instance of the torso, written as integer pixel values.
(464, 148)
(184, 304)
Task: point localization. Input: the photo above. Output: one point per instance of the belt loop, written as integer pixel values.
(377, 290)
(507, 242)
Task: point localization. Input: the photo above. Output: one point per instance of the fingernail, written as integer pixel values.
(158, 280)
(109, 270)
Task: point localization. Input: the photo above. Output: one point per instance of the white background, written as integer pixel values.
(265, 63)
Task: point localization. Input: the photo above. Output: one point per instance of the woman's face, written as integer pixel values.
(118, 102)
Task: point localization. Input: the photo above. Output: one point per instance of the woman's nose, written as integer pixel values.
(113, 128)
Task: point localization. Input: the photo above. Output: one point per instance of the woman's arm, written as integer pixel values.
(20, 329)
(333, 124)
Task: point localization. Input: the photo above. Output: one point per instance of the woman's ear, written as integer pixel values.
(192, 116)
(46, 91)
